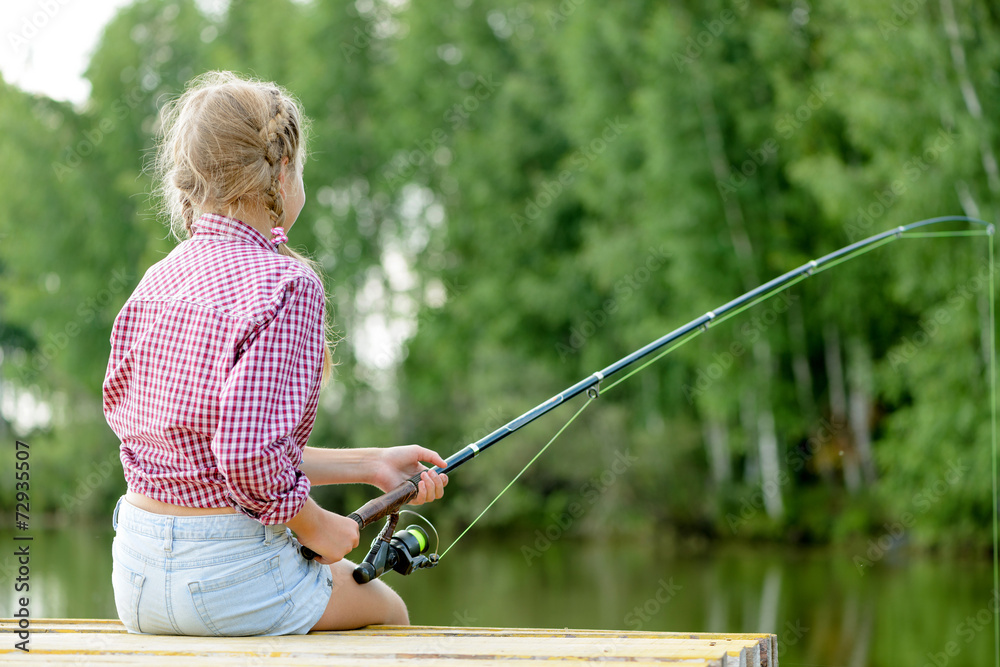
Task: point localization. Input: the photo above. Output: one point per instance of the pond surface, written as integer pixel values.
(825, 610)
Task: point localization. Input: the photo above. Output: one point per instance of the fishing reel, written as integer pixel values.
(403, 552)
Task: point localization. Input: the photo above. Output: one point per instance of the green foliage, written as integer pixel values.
(523, 193)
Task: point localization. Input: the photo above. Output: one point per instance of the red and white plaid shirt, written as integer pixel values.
(214, 375)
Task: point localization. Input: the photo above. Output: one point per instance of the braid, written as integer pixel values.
(275, 148)
(187, 214)
(186, 187)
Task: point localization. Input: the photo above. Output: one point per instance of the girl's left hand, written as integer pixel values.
(394, 465)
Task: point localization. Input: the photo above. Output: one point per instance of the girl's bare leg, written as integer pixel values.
(354, 606)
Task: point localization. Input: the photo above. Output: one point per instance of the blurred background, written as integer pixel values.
(507, 196)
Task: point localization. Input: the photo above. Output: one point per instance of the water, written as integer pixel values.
(899, 611)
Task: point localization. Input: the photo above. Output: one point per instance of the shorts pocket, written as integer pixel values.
(248, 601)
(128, 588)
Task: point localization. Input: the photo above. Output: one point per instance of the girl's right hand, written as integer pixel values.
(330, 535)
(341, 537)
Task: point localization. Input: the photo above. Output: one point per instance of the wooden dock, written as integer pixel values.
(105, 642)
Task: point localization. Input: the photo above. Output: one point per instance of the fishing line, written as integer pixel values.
(931, 235)
(993, 433)
(518, 476)
(901, 232)
(751, 304)
(437, 538)
(993, 418)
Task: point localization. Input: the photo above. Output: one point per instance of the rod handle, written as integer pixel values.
(387, 503)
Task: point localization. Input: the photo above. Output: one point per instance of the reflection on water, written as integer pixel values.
(825, 612)
(912, 612)
(69, 574)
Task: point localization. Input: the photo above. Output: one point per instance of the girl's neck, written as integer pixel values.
(258, 218)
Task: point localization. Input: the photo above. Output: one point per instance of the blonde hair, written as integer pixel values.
(224, 144)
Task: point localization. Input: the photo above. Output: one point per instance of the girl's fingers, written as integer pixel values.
(426, 487)
(436, 489)
(431, 457)
(431, 487)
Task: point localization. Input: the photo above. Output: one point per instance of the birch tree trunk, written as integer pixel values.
(800, 363)
(838, 404)
(767, 442)
(767, 438)
(969, 94)
(748, 420)
(860, 406)
(989, 160)
(716, 435)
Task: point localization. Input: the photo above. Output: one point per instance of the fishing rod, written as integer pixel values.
(404, 551)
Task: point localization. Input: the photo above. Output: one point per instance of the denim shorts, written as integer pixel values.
(223, 575)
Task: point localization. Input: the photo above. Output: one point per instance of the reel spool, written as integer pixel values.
(403, 552)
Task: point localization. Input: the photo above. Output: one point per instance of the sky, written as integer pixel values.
(46, 44)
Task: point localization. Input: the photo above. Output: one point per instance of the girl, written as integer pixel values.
(212, 387)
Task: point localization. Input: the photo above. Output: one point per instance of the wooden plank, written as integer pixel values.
(99, 641)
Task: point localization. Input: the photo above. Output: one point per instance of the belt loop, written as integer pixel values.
(268, 535)
(275, 533)
(114, 517)
(168, 537)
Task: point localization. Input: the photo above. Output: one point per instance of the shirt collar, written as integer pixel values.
(210, 224)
